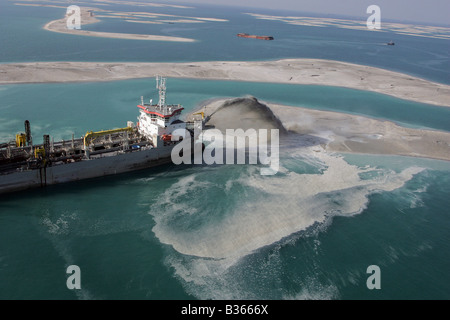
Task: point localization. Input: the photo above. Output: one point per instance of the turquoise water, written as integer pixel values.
(220, 232)
(63, 109)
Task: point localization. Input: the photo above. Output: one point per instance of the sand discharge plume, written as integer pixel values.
(241, 212)
(244, 113)
(262, 210)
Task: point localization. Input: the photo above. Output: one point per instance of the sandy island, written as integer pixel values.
(60, 26)
(345, 133)
(399, 28)
(291, 71)
(340, 132)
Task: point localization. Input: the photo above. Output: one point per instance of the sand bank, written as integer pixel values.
(60, 26)
(356, 134)
(345, 133)
(292, 71)
(386, 27)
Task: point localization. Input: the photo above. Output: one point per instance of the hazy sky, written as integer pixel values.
(431, 11)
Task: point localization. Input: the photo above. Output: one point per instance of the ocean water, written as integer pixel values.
(224, 232)
(420, 56)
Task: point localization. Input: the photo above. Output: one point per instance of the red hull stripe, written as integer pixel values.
(159, 114)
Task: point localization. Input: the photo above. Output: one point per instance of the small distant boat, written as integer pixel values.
(246, 35)
(391, 43)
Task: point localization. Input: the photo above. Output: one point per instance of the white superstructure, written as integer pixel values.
(159, 119)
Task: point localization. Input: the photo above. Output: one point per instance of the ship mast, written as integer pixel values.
(161, 86)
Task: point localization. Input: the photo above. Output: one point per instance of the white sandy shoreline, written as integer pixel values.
(289, 71)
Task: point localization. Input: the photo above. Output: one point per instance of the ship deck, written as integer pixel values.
(13, 158)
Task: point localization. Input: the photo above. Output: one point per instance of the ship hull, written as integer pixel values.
(85, 169)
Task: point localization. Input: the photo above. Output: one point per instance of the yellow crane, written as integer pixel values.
(92, 135)
(200, 113)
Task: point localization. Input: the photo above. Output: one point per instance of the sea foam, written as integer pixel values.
(291, 202)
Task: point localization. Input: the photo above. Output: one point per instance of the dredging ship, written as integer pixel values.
(145, 144)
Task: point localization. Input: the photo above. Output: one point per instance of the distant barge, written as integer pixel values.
(246, 35)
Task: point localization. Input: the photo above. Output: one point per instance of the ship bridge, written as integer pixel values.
(165, 112)
(159, 119)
